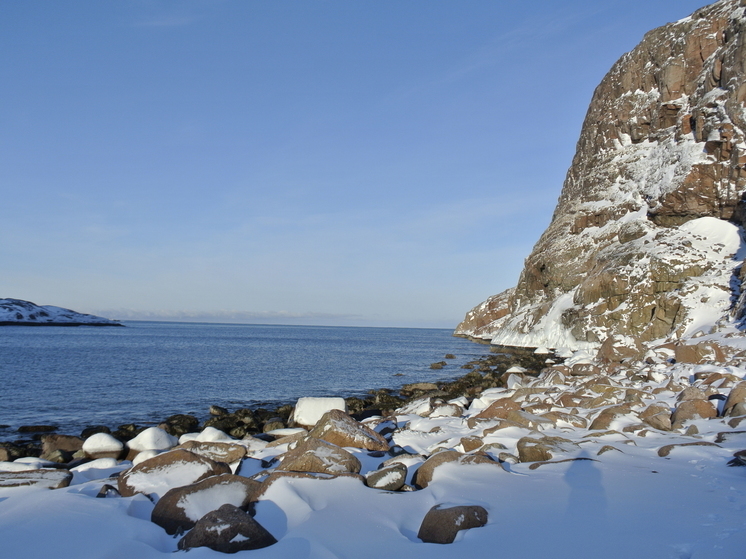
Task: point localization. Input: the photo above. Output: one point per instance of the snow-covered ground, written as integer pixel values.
(613, 490)
(16, 311)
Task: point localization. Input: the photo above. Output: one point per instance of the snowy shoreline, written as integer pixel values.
(632, 460)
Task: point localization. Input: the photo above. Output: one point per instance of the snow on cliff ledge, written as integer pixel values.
(15, 311)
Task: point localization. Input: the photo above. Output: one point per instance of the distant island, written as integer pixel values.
(15, 312)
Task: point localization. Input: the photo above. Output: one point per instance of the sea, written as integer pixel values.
(73, 377)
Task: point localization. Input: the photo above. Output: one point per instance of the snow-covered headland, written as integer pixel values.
(15, 312)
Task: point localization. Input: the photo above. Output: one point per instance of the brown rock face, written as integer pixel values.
(660, 154)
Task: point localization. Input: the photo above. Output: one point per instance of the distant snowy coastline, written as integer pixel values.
(15, 312)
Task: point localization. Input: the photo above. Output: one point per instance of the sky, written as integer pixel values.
(386, 163)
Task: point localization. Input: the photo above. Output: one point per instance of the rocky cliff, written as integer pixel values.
(645, 241)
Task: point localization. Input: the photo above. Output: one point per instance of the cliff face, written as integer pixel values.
(644, 240)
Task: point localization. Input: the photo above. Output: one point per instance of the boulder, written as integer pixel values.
(447, 410)
(692, 409)
(420, 406)
(181, 507)
(660, 421)
(179, 424)
(102, 445)
(227, 530)
(413, 388)
(51, 479)
(441, 525)
(532, 449)
(584, 370)
(309, 410)
(53, 444)
(699, 353)
(217, 451)
(692, 393)
(570, 418)
(152, 438)
(470, 444)
(314, 455)
(736, 396)
(388, 478)
(666, 450)
(424, 474)
(499, 409)
(338, 428)
(165, 471)
(530, 421)
(604, 419)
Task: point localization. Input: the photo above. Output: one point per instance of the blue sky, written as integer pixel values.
(318, 162)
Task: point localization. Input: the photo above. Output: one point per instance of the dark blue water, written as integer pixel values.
(73, 377)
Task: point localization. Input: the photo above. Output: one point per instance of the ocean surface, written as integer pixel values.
(73, 377)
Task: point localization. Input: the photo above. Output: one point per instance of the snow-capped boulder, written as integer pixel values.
(102, 445)
(181, 507)
(165, 471)
(152, 438)
(309, 410)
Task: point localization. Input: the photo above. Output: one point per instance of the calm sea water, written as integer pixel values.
(74, 377)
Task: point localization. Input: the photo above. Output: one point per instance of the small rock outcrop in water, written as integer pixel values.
(17, 312)
(645, 239)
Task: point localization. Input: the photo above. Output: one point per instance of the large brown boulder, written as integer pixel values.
(604, 419)
(532, 449)
(228, 530)
(441, 525)
(181, 507)
(736, 400)
(499, 409)
(692, 409)
(424, 474)
(163, 472)
(314, 455)
(52, 444)
(338, 428)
